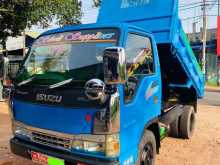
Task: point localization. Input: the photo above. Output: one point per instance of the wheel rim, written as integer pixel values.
(147, 157)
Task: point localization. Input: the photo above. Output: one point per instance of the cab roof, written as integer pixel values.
(123, 26)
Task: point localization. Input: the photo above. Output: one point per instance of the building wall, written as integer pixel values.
(211, 57)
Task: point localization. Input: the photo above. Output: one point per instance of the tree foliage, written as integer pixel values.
(16, 15)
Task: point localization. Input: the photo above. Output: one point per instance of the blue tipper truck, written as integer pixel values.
(107, 93)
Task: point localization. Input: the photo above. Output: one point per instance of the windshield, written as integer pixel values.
(75, 55)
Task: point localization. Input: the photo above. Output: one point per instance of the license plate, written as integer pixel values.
(45, 159)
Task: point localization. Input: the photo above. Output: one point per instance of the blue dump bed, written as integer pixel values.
(178, 63)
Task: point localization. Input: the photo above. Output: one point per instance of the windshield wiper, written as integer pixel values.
(50, 86)
(59, 84)
(26, 81)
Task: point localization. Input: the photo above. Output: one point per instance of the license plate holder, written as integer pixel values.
(45, 159)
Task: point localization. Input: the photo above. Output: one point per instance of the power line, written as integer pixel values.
(195, 3)
(199, 5)
(192, 7)
(204, 38)
(203, 5)
(199, 16)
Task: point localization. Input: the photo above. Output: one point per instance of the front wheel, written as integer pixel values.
(147, 149)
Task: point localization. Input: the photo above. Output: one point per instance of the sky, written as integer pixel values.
(90, 13)
(186, 13)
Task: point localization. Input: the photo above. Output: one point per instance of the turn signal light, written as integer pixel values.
(112, 145)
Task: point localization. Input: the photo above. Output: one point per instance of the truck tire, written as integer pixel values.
(147, 149)
(187, 122)
(174, 129)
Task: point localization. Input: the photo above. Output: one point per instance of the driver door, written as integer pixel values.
(142, 92)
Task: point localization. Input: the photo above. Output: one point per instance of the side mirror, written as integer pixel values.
(114, 62)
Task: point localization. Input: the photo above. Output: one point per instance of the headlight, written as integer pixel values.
(88, 146)
(112, 145)
(20, 131)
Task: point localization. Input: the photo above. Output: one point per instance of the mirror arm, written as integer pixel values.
(110, 89)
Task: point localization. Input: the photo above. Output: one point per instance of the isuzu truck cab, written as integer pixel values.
(107, 93)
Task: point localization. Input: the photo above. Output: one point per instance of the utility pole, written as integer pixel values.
(204, 40)
(218, 7)
(218, 58)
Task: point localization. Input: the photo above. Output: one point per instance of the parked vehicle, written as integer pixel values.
(107, 93)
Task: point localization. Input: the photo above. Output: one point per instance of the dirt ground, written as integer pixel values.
(213, 88)
(202, 149)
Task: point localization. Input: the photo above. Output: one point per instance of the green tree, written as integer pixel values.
(16, 15)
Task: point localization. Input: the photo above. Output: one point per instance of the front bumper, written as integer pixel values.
(23, 148)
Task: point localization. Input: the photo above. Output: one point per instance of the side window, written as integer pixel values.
(140, 62)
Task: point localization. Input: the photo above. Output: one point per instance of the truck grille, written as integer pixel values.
(51, 140)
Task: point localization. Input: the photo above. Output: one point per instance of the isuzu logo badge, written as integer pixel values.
(49, 98)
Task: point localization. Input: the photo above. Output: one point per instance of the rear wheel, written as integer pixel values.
(174, 128)
(187, 122)
(147, 149)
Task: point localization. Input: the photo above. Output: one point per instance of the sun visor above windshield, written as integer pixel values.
(95, 35)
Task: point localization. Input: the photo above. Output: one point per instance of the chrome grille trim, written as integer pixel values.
(51, 140)
(65, 140)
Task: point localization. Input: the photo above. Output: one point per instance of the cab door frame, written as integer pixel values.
(133, 116)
